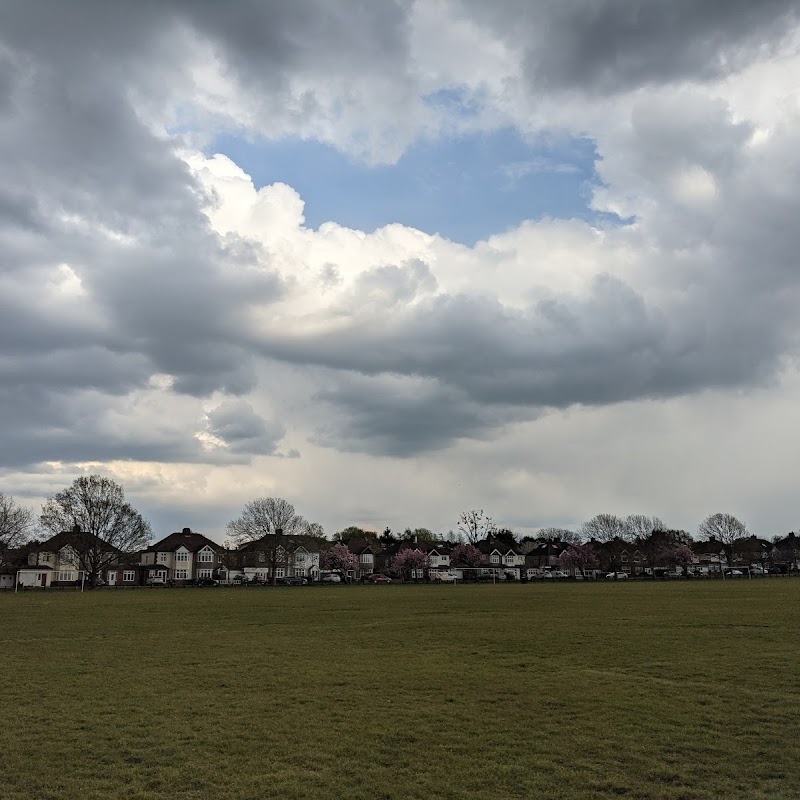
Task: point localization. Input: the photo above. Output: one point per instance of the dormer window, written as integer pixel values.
(495, 558)
(205, 555)
(181, 555)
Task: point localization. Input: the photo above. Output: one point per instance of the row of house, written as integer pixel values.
(188, 556)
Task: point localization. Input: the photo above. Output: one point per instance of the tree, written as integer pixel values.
(580, 557)
(387, 537)
(611, 532)
(665, 548)
(421, 535)
(679, 555)
(16, 524)
(726, 529)
(560, 535)
(314, 530)
(475, 525)
(103, 524)
(408, 560)
(269, 521)
(605, 528)
(339, 559)
(353, 532)
(466, 555)
(640, 526)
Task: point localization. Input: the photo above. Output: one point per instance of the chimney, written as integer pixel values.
(186, 531)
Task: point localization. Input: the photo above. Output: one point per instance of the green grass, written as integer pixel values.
(673, 690)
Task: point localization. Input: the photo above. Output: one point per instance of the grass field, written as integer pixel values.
(672, 690)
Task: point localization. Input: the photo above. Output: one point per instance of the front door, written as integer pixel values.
(112, 578)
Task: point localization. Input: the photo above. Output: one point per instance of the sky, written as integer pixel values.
(393, 260)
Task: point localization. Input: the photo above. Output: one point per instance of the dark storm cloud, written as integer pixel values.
(606, 346)
(390, 416)
(242, 430)
(614, 45)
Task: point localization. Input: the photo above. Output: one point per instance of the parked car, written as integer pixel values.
(240, 580)
(156, 581)
(618, 576)
(555, 574)
(330, 577)
(673, 574)
(292, 580)
(203, 582)
(378, 578)
(734, 573)
(446, 577)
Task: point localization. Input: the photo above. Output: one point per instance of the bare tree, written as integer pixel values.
(726, 529)
(270, 521)
(475, 525)
(16, 524)
(605, 528)
(559, 535)
(104, 526)
(640, 526)
(315, 530)
(612, 533)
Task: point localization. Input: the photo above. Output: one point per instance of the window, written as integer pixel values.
(366, 558)
(300, 558)
(44, 557)
(181, 555)
(624, 557)
(65, 576)
(279, 572)
(129, 575)
(204, 573)
(205, 555)
(495, 558)
(180, 574)
(162, 558)
(299, 573)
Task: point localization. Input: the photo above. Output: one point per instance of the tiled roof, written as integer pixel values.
(186, 538)
(70, 538)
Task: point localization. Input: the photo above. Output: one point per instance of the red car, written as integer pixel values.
(379, 579)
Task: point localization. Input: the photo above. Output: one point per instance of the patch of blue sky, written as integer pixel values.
(465, 187)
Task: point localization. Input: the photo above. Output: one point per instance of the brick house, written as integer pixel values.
(181, 557)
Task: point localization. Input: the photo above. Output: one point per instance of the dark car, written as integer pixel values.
(377, 578)
(292, 580)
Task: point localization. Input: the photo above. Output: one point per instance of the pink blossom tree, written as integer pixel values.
(408, 560)
(580, 557)
(678, 555)
(466, 555)
(338, 558)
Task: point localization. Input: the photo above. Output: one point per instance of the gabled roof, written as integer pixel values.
(708, 546)
(491, 544)
(358, 545)
(186, 538)
(288, 543)
(76, 539)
